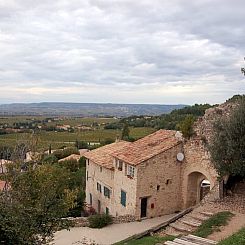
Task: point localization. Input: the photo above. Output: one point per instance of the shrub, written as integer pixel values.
(66, 152)
(50, 159)
(82, 162)
(99, 220)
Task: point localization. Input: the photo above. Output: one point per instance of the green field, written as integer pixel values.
(73, 121)
(59, 139)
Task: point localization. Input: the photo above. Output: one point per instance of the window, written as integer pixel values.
(119, 165)
(123, 198)
(100, 169)
(158, 187)
(99, 187)
(169, 181)
(130, 171)
(106, 192)
(90, 199)
(87, 175)
(107, 210)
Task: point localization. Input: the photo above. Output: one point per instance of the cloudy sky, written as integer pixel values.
(123, 51)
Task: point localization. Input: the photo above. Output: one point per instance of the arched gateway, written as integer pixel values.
(199, 175)
(198, 186)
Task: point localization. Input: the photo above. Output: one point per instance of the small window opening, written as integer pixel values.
(100, 169)
(158, 187)
(169, 181)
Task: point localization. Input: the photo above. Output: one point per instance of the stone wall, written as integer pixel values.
(195, 168)
(79, 221)
(83, 221)
(105, 177)
(124, 219)
(159, 180)
(203, 127)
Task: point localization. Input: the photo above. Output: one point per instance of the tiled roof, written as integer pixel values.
(136, 152)
(147, 147)
(103, 155)
(71, 157)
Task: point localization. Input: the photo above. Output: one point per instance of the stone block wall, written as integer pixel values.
(159, 179)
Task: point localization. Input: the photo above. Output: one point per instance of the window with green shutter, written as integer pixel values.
(106, 192)
(123, 198)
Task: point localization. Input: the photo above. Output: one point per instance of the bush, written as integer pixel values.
(50, 159)
(82, 162)
(227, 147)
(99, 220)
(66, 152)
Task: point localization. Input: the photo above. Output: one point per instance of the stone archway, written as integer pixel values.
(198, 186)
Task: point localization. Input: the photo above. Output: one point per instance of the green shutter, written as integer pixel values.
(123, 198)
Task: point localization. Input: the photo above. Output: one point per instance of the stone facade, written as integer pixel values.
(160, 184)
(159, 181)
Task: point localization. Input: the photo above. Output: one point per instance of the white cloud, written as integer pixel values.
(121, 50)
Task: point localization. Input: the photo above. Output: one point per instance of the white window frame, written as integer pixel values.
(131, 171)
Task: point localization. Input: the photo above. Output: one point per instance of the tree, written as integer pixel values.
(227, 147)
(32, 210)
(186, 126)
(125, 131)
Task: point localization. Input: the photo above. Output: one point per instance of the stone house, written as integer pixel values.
(145, 178)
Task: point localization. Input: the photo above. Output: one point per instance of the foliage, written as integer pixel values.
(6, 152)
(235, 98)
(237, 238)
(228, 144)
(114, 125)
(81, 144)
(65, 152)
(32, 210)
(148, 240)
(165, 121)
(99, 220)
(50, 159)
(108, 141)
(186, 126)
(77, 181)
(72, 165)
(82, 161)
(213, 224)
(125, 131)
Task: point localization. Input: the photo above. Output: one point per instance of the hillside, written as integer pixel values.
(85, 109)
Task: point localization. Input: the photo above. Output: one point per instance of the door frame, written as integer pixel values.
(143, 207)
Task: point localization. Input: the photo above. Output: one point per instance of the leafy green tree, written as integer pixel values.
(51, 159)
(32, 210)
(227, 147)
(186, 126)
(125, 131)
(81, 144)
(108, 141)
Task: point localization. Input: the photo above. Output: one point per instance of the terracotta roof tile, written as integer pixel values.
(147, 147)
(136, 152)
(103, 155)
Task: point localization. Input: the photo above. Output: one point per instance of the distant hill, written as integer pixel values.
(85, 109)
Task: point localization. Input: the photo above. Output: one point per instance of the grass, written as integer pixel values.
(58, 139)
(147, 240)
(236, 239)
(213, 224)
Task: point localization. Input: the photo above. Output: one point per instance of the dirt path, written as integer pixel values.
(235, 224)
